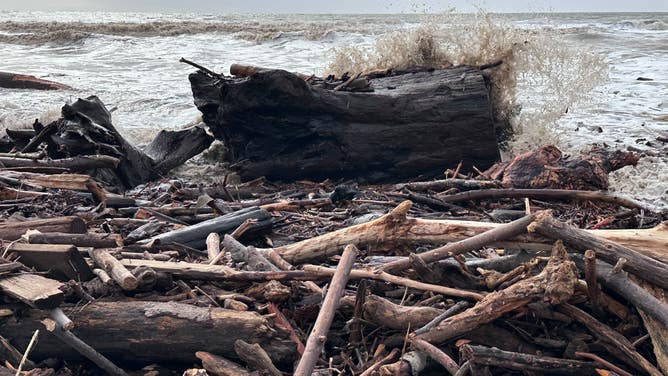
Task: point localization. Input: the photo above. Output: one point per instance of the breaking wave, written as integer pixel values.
(541, 77)
(32, 33)
(646, 24)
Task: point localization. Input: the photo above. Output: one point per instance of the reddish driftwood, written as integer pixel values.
(24, 81)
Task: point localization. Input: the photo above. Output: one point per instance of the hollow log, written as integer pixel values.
(277, 125)
(152, 332)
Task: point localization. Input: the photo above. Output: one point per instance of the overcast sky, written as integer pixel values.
(339, 6)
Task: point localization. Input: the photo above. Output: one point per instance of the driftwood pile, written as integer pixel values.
(462, 275)
(529, 267)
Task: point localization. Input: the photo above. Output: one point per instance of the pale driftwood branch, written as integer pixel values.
(318, 336)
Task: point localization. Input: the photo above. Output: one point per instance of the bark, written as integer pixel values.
(278, 125)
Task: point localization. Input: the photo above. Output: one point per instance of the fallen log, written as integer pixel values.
(24, 81)
(80, 163)
(277, 125)
(85, 129)
(395, 229)
(77, 240)
(195, 235)
(14, 230)
(183, 329)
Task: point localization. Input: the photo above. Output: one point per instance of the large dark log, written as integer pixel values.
(152, 332)
(277, 125)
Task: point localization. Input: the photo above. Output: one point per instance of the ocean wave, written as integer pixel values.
(531, 59)
(64, 32)
(645, 24)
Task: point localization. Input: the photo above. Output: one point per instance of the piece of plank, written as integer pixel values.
(34, 290)
(61, 261)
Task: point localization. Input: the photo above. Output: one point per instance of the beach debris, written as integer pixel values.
(529, 267)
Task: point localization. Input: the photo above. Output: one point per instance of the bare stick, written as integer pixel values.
(61, 318)
(256, 357)
(554, 284)
(614, 342)
(638, 263)
(82, 347)
(25, 354)
(390, 357)
(590, 277)
(203, 69)
(603, 363)
(451, 311)
(401, 281)
(473, 243)
(555, 194)
(436, 354)
(318, 336)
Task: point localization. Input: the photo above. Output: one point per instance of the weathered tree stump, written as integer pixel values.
(278, 125)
